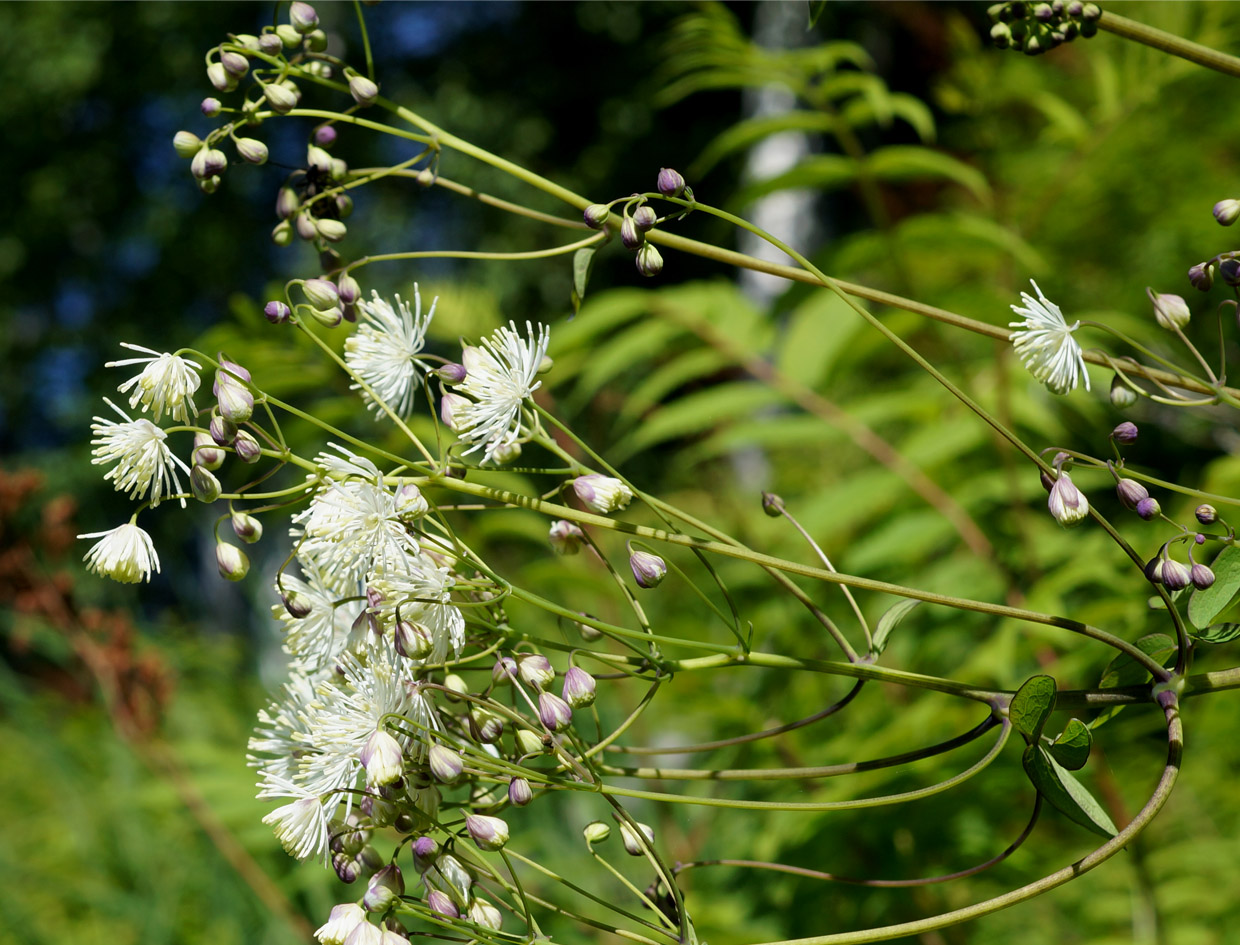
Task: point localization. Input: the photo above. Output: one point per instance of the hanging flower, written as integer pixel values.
(166, 384)
(383, 351)
(125, 554)
(1045, 343)
(143, 460)
(499, 377)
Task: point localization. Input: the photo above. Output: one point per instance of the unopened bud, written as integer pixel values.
(1131, 493)
(204, 485)
(297, 605)
(644, 218)
(385, 888)
(446, 765)
(519, 792)
(206, 453)
(483, 913)
(1067, 503)
(363, 90)
(441, 904)
(235, 400)
(670, 183)
(235, 63)
(325, 136)
(451, 373)
(208, 163)
(1229, 271)
(231, 561)
(412, 641)
(318, 159)
(602, 493)
(1125, 433)
(530, 743)
(281, 98)
(630, 235)
(578, 688)
(1175, 576)
(282, 233)
(425, 853)
(223, 432)
(596, 215)
(553, 711)
(211, 107)
(248, 450)
(648, 569)
(489, 833)
(331, 230)
(596, 832)
(1170, 311)
(348, 289)
(252, 150)
(347, 870)
(301, 17)
(1206, 514)
(566, 538)
(186, 144)
(316, 41)
(1202, 276)
(504, 670)
(321, 294)
(1227, 212)
(221, 78)
(382, 758)
(535, 670)
(1149, 508)
(276, 311)
(1201, 576)
(270, 44)
(1121, 394)
(339, 169)
(455, 687)
(303, 223)
(344, 205)
(246, 527)
(633, 844)
(486, 726)
(772, 504)
(649, 261)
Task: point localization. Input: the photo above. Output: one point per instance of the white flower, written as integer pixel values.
(602, 493)
(124, 554)
(315, 640)
(1045, 343)
(343, 920)
(499, 377)
(383, 351)
(419, 592)
(1067, 503)
(301, 825)
(143, 460)
(167, 383)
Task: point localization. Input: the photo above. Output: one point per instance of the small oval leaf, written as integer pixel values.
(890, 620)
(583, 262)
(1071, 748)
(1032, 706)
(1205, 605)
(1065, 793)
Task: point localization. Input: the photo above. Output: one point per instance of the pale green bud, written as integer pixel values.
(204, 485)
(247, 527)
(186, 144)
(231, 561)
(280, 98)
(596, 832)
(331, 230)
(252, 150)
(288, 36)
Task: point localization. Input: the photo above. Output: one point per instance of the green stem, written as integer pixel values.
(1169, 43)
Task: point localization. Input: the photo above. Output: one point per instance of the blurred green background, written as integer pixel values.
(127, 807)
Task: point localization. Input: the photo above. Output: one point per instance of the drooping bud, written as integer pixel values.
(281, 98)
(566, 538)
(1149, 508)
(588, 633)
(446, 765)
(578, 689)
(252, 150)
(489, 833)
(223, 431)
(1202, 276)
(248, 450)
(1067, 503)
(1206, 514)
(596, 832)
(348, 289)
(297, 605)
(208, 163)
(1227, 212)
(425, 853)
(221, 78)
(235, 63)
(321, 294)
(211, 107)
(1125, 433)
(455, 686)
(441, 904)
(630, 235)
(633, 845)
(331, 230)
(519, 792)
(206, 454)
(596, 215)
(531, 743)
(1201, 576)
(412, 641)
(535, 670)
(328, 318)
(316, 41)
(325, 136)
(246, 527)
(644, 218)
(282, 233)
(1170, 311)
(382, 758)
(1229, 271)
(231, 561)
(602, 493)
(363, 90)
(1121, 394)
(386, 886)
(648, 569)
(1175, 576)
(186, 144)
(210, 185)
(277, 312)
(486, 726)
(483, 913)
(553, 711)
(302, 17)
(1131, 493)
(270, 44)
(235, 400)
(504, 670)
(452, 373)
(204, 485)
(343, 920)
(649, 261)
(670, 183)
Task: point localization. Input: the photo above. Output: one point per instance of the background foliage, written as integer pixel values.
(936, 167)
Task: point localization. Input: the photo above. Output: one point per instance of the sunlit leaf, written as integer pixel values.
(1071, 798)
(1071, 748)
(1032, 705)
(890, 620)
(1207, 604)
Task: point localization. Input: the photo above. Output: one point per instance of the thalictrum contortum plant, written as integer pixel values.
(418, 721)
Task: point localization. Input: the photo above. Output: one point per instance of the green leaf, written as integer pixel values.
(815, 10)
(1071, 748)
(1219, 633)
(900, 162)
(1065, 792)
(823, 172)
(1205, 605)
(1125, 671)
(747, 133)
(1032, 706)
(890, 620)
(583, 262)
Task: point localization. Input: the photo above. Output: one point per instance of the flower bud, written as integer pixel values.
(235, 400)
(316, 41)
(1229, 271)
(348, 289)
(276, 311)
(535, 670)
(252, 150)
(281, 98)
(206, 454)
(1067, 503)
(321, 294)
(383, 759)
(248, 450)
(446, 765)
(363, 90)
(1206, 514)
(449, 404)
(231, 561)
(588, 633)
(1170, 311)
(412, 640)
(1202, 276)
(441, 904)
(451, 373)
(1149, 508)
(234, 63)
(344, 205)
(186, 144)
(483, 913)
(1227, 212)
(425, 853)
(553, 711)
(670, 183)
(1175, 576)
(1131, 493)
(649, 262)
(385, 888)
(210, 185)
(303, 223)
(602, 493)
(270, 44)
(531, 743)
(343, 920)
(222, 431)
(220, 77)
(208, 163)
(204, 485)
(489, 833)
(301, 17)
(246, 527)
(596, 215)
(644, 218)
(318, 159)
(566, 538)
(455, 686)
(1121, 394)
(648, 569)
(1201, 576)
(486, 726)
(630, 235)
(596, 832)
(331, 230)
(519, 792)
(325, 136)
(297, 605)
(1001, 35)
(633, 845)
(282, 233)
(210, 107)
(503, 671)
(578, 689)
(1125, 433)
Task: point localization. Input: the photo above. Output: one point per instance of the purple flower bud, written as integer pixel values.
(630, 235)
(449, 404)
(347, 868)
(602, 493)
(211, 107)
(1229, 271)
(223, 431)
(670, 184)
(1202, 276)
(235, 400)
(446, 765)
(566, 538)
(442, 904)
(1131, 493)
(553, 711)
(207, 163)
(1149, 508)
(644, 218)
(1175, 576)
(596, 215)
(270, 44)
(231, 561)
(277, 312)
(383, 758)
(535, 670)
(235, 63)
(1153, 569)
(296, 604)
(363, 90)
(1206, 514)
(1201, 576)
(519, 792)
(489, 833)
(1227, 212)
(578, 689)
(425, 853)
(206, 453)
(1125, 433)
(504, 670)
(1047, 482)
(303, 223)
(412, 640)
(325, 136)
(648, 569)
(321, 294)
(1170, 311)
(451, 373)
(1199, 539)
(386, 886)
(486, 726)
(204, 485)
(348, 289)
(246, 527)
(301, 17)
(1067, 503)
(649, 261)
(248, 450)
